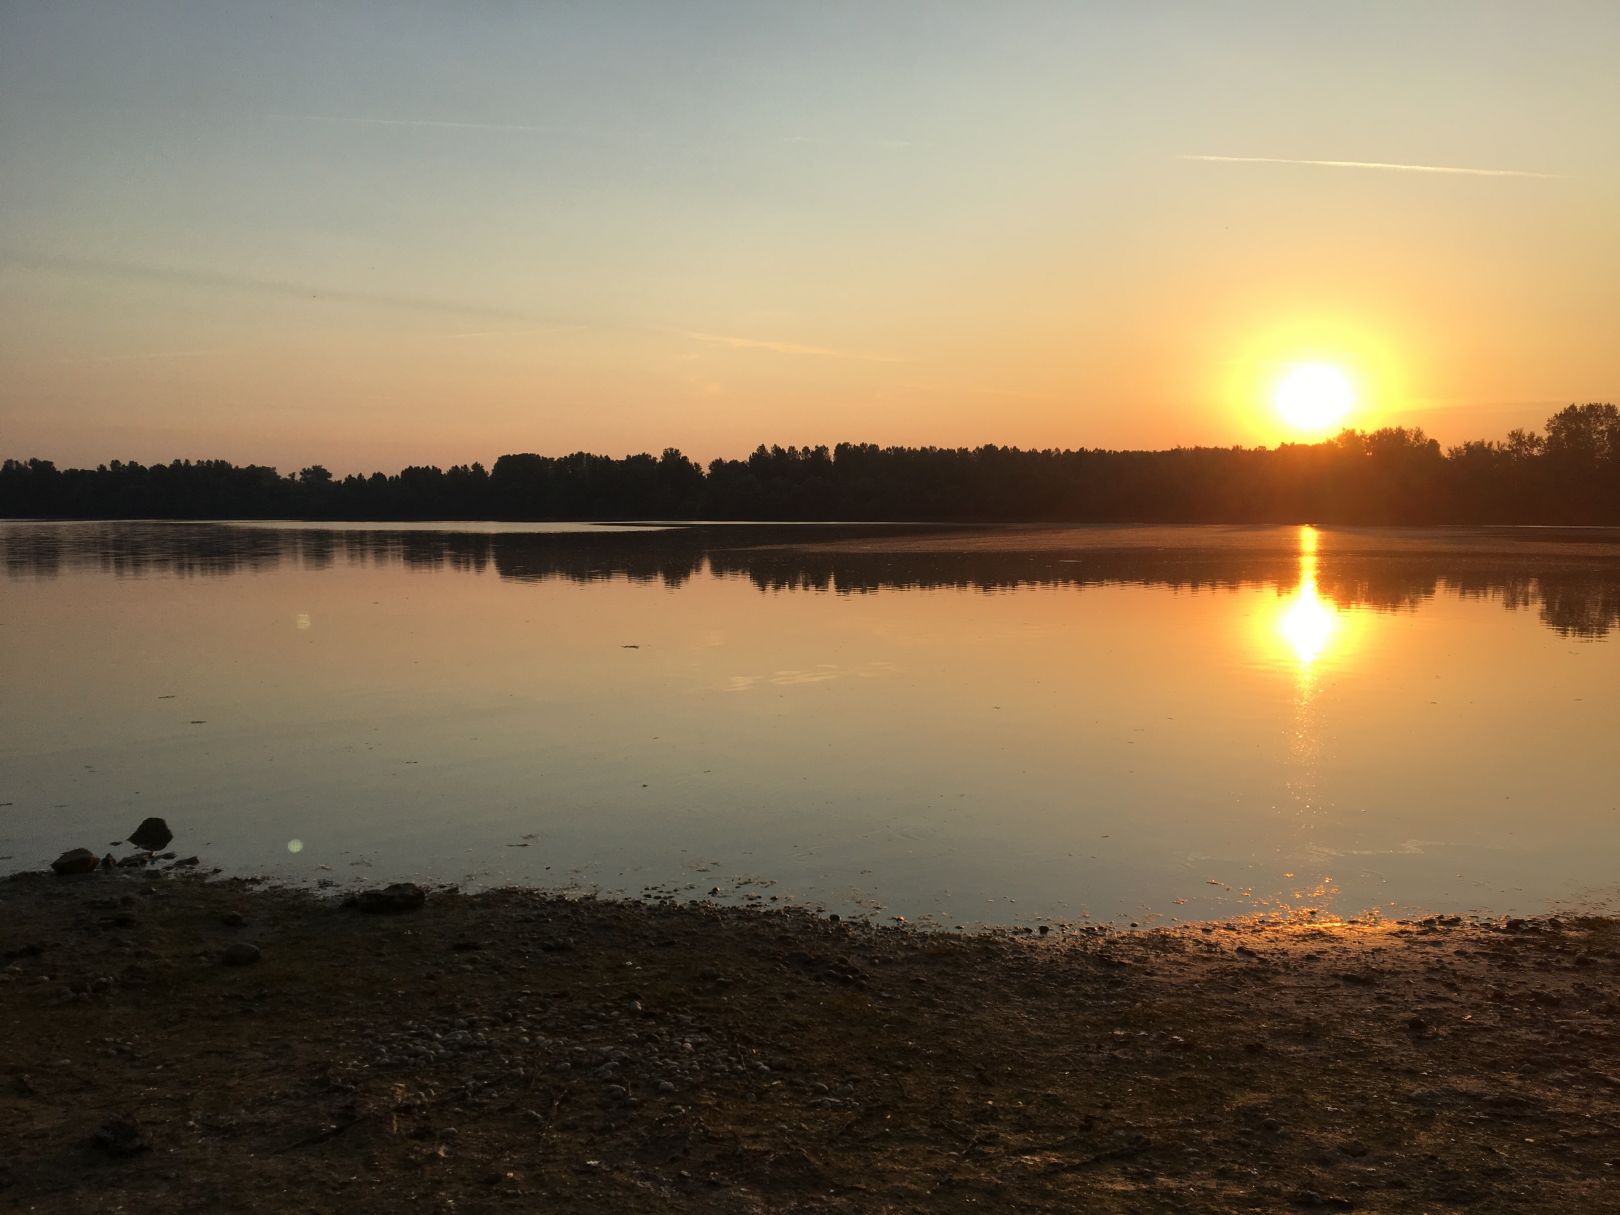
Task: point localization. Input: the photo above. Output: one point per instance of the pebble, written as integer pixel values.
(120, 1137)
(240, 953)
(391, 899)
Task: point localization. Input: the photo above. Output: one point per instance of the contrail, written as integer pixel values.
(1368, 164)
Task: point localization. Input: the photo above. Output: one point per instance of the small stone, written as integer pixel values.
(398, 897)
(240, 953)
(153, 834)
(120, 1137)
(233, 919)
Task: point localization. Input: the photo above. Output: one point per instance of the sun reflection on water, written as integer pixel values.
(1309, 621)
(1308, 624)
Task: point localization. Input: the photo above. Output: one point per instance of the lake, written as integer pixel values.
(958, 726)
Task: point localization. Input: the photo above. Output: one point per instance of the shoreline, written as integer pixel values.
(513, 1050)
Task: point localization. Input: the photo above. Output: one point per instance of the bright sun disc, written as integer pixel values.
(1314, 396)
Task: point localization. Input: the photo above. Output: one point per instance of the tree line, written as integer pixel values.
(1569, 474)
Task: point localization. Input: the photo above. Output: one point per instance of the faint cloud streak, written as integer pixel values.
(446, 124)
(847, 142)
(496, 333)
(157, 354)
(821, 352)
(1367, 164)
(230, 280)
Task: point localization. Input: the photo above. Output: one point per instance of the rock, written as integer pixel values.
(233, 919)
(240, 953)
(76, 860)
(184, 863)
(120, 1137)
(1311, 1200)
(153, 834)
(400, 896)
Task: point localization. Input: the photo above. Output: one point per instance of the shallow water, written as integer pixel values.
(1122, 723)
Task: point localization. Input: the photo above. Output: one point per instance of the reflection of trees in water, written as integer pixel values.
(1576, 598)
(1587, 607)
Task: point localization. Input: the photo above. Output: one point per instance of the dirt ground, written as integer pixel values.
(511, 1051)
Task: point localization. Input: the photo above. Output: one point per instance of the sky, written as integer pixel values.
(377, 234)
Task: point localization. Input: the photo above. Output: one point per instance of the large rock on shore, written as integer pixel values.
(153, 834)
(76, 860)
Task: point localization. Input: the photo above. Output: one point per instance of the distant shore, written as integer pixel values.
(177, 1043)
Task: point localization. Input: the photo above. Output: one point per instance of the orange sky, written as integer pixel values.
(370, 238)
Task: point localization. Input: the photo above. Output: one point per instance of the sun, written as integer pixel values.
(1314, 397)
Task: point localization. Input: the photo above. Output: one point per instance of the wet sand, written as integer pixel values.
(511, 1051)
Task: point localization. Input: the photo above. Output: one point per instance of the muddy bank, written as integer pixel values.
(512, 1051)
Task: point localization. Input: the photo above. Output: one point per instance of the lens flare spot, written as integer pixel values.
(295, 845)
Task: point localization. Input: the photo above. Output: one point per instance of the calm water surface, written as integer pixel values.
(1121, 723)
